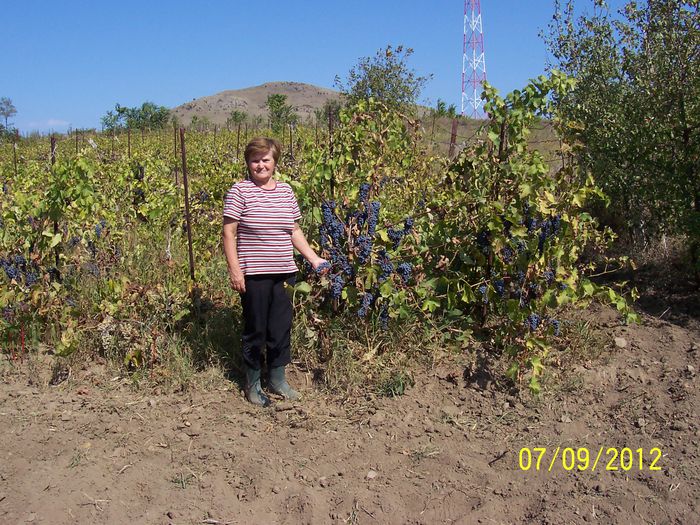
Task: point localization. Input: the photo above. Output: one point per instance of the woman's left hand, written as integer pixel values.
(315, 263)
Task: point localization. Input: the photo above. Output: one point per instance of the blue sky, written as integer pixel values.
(66, 63)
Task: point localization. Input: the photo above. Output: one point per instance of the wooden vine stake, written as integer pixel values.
(14, 151)
(453, 139)
(330, 146)
(187, 203)
(55, 223)
(238, 141)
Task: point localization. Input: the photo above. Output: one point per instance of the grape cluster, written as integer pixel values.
(332, 227)
(8, 314)
(17, 267)
(340, 260)
(325, 265)
(507, 254)
(386, 266)
(384, 316)
(404, 270)
(556, 325)
(548, 276)
(337, 284)
(99, 227)
(54, 274)
(367, 301)
(11, 270)
(548, 228)
(30, 278)
(500, 286)
(483, 241)
(93, 269)
(396, 234)
(530, 224)
(484, 295)
(373, 217)
(533, 321)
(507, 225)
(364, 248)
(364, 193)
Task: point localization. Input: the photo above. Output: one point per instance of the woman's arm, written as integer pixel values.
(230, 241)
(302, 246)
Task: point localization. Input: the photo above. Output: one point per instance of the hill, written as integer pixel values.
(216, 108)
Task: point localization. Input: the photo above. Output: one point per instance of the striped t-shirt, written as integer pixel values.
(265, 223)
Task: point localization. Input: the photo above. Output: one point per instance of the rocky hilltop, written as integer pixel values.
(306, 98)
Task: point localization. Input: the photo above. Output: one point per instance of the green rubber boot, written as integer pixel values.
(279, 385)
(253, 391)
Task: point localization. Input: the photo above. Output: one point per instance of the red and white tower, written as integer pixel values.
(473, 60)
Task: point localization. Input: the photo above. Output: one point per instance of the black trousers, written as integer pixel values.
(267, 320)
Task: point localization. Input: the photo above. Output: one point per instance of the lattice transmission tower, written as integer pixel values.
(473, 59)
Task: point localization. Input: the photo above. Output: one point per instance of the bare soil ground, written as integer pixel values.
(93, 450)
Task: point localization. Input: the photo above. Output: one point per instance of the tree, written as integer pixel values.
(236, 117)
(110, 121)
(331, 108)
(636, 109)
(439, 111)
(280, 113)
(385, 77)
(200, 123)
(148, 116)
(7, 109)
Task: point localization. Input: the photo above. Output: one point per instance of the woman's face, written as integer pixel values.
(261, 167)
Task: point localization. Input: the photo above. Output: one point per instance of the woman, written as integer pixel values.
(260, 229)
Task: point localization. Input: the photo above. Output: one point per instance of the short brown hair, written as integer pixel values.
(263, 145)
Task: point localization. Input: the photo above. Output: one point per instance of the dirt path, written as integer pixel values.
(92, 451)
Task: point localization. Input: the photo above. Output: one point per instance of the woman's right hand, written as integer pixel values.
(237, 281)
